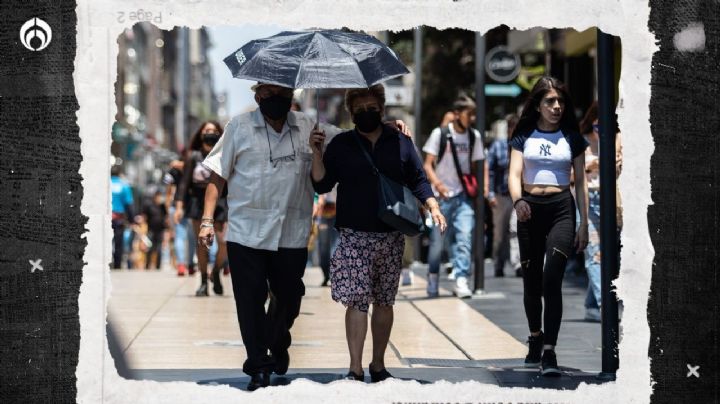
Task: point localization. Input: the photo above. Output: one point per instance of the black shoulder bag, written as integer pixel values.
(398, 207)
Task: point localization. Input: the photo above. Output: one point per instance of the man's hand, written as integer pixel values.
(443, 191)
(400, 127)
(206, 236)
(492, 202)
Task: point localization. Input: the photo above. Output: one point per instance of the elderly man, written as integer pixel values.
(265, 158)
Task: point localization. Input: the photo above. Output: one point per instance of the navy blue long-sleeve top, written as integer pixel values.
(394, 155)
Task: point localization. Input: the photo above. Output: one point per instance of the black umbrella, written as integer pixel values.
(316, 59)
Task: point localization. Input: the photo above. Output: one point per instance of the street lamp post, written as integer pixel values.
(479, 273)
(608, 225)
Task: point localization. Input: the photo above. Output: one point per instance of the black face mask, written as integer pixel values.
(276, 106)
(367, 121)
(211, 138)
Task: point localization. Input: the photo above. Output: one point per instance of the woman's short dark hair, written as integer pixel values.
(377, 91)
(196, 139)
(591, 115)
(530, 115)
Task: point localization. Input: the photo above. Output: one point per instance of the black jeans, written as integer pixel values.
(252, 270)
(546, 238)
(118, 226)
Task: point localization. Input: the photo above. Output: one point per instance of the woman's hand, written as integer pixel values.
(317, 140)
(177, 217)
(206, 236)
(438, 219)
(523, 211)
(581, 237)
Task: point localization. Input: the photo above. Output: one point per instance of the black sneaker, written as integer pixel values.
(549, 365)
(259, 380)
(534, 355)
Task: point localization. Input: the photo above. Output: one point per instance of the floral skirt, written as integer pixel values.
(365, 268)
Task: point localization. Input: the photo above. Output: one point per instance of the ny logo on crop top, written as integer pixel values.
(547, 156)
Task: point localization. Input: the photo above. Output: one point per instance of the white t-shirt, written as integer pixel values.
(270, 205)
(445, 170)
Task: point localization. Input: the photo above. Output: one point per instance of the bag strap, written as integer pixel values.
(444, 132)
(367, 155)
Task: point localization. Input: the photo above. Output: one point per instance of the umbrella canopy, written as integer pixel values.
(316, 59)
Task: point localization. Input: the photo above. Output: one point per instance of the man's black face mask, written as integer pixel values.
(276, 106)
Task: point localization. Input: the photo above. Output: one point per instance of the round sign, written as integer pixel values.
(501, 64)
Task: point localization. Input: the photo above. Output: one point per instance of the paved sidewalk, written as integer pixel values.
(166, 333)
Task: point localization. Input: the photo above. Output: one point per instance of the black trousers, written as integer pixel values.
(118, 226)
(545, 242)
(156, 237)
(254, 273)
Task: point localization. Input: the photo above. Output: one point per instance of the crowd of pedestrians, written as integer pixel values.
(251, 192)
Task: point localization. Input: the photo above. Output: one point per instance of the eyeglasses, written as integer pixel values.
(278, 160)
(596, 127)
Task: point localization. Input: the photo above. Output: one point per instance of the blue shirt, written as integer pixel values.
(357, 194)
(498, 164)
(122, 198)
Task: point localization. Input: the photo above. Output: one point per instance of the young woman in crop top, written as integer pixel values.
(190, 200)
(546, 147)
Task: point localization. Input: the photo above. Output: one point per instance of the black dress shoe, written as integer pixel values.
(258, 380)
(282, 361)
(380, 375)
(353, 376)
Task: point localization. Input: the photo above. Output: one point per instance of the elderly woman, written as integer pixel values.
(365, 268)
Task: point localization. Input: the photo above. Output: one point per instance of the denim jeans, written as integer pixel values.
(180, 243)
(327, 241)
(460, 217)
(592, 252)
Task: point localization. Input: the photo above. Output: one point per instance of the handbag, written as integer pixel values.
(469, 182)
(397, 205)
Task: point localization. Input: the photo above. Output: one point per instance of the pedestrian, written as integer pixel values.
(122, 212)
(192, 189)
(179, 229)
(365, 268)
(546, 146)
(265, 159)
(499, 196)
(155, 215)
(589, 127)
(327, 234)
(452, 155)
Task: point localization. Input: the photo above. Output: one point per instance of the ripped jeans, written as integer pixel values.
(545, 241)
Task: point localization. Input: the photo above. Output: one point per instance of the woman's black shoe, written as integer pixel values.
(258, 380)
(352, 376)
(202, 290)
(549, 365)
(534, 355)
(217, 285)
(380, 375)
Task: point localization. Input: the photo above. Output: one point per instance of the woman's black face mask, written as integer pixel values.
(276, 106)
(211, 138)
(367, 121)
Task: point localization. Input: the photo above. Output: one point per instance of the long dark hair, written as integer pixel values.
(530, 115)
(196, 139)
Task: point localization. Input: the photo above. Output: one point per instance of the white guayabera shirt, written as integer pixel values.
(270, 204)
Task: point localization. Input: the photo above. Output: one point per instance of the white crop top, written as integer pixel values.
(547, 159)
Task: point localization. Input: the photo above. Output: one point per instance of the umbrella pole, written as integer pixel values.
(317, 108)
